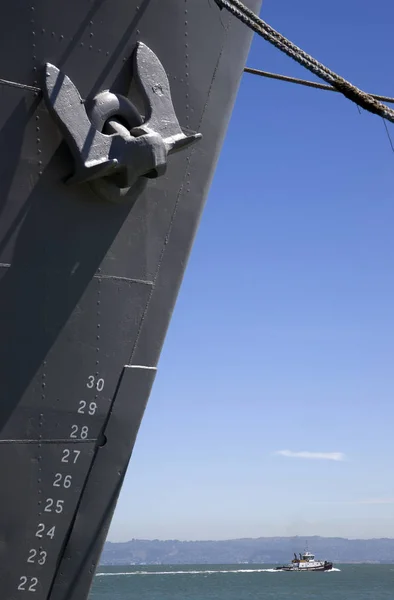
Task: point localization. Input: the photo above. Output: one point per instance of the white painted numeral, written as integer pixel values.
(98, 384)
(67, 454)
(41, 531)
(81, 408)
(23, 581)
(50, 503)
(42, 556)
(32, 555)
(75, 433)
(30, 582)
(60, 482)
(91, 408)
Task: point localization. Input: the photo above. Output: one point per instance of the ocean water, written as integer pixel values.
(242, 582)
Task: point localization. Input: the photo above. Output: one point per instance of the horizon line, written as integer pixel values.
(268, 537)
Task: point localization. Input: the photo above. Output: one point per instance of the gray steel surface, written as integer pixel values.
(87, 287)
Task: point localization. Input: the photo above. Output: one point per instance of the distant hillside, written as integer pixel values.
(260, 550)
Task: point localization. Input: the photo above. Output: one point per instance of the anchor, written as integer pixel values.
(112, 146)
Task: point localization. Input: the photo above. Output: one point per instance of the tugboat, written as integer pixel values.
(306, 562)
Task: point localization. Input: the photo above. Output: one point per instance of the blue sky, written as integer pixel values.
(282, 340)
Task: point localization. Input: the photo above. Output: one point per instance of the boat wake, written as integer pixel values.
(207, 572)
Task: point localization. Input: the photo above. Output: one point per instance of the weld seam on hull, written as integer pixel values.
(50, 441)
(21, 86)
(118, 278)
(140, 367)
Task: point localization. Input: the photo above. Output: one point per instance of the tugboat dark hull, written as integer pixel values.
(326, 567)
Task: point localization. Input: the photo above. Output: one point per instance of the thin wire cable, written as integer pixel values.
(312, 84)
(388, 134)
(246, 16)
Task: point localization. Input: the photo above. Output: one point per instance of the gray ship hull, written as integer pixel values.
(87, 287)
